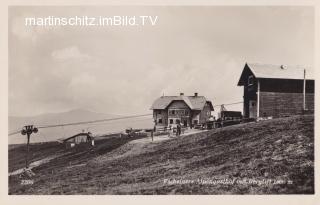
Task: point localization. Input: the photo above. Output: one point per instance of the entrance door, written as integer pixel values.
(185, 123)
(252, 108)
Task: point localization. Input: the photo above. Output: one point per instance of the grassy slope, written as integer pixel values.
(275, 149)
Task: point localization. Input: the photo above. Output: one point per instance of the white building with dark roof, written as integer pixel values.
(187, 110)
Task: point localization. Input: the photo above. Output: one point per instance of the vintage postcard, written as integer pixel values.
(136, 99)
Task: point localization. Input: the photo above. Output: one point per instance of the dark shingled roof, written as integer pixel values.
(194, 102)
(277, 71)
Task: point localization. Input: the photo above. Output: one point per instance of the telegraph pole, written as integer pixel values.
(28, 130)
(304, 90)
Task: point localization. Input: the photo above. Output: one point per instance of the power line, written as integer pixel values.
(84, 122)
(101, 120)
(117, 122)
(13, 133)
(229, 104)
(92, 121)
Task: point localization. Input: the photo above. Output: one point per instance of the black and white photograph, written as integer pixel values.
(161, 100)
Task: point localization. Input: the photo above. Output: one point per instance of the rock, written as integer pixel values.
(278, 141)
(277, 158)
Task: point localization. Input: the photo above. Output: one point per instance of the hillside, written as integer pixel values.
(77, 115)
(246, 158)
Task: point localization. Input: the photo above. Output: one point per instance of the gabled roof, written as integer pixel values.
(80, 134)
(276, 72)
(193, 102)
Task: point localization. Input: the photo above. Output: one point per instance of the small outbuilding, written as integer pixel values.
(79, 139)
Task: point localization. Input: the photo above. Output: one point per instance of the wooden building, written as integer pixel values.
(79, 139)
(230, 115)
(276, 90)
(187, 110)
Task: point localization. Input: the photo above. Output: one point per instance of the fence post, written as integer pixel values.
(152, 135)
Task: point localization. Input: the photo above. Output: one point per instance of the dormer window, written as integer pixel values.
(250, 80)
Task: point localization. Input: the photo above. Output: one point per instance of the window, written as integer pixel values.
(160, 121)
(186, 112)
(180, 112)
(172, 112)
(171, 121)
(177, 121)
(250, 80)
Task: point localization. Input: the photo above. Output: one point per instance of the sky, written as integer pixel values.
(122, 70)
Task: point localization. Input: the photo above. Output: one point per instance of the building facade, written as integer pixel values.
(276, 91)
(186, 110)
(79, 139)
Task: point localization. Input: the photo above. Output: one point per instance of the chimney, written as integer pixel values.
(181, 94)
(195, 94)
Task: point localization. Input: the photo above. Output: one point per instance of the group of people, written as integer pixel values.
(177, 129)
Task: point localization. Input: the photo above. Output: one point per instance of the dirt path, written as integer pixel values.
(34, 164)
(137, 147)
(134, 147)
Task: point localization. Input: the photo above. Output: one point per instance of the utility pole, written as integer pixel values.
(258, 98)
(304, 90)
(28, 130)
(152, 135)
(222, 108)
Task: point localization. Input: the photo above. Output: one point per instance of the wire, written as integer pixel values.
(13, 133)
(116, 122)
(97, 121)
(228, 104)
(92, 121)
(84, 122)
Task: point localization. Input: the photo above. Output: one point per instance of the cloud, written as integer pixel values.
(83, 79)
(69, 53)
(122, 70)
(29, 33)
(21, 31)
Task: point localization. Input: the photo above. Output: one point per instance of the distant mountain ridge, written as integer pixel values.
(76, 115)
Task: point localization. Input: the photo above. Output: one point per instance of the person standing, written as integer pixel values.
(178, 129)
